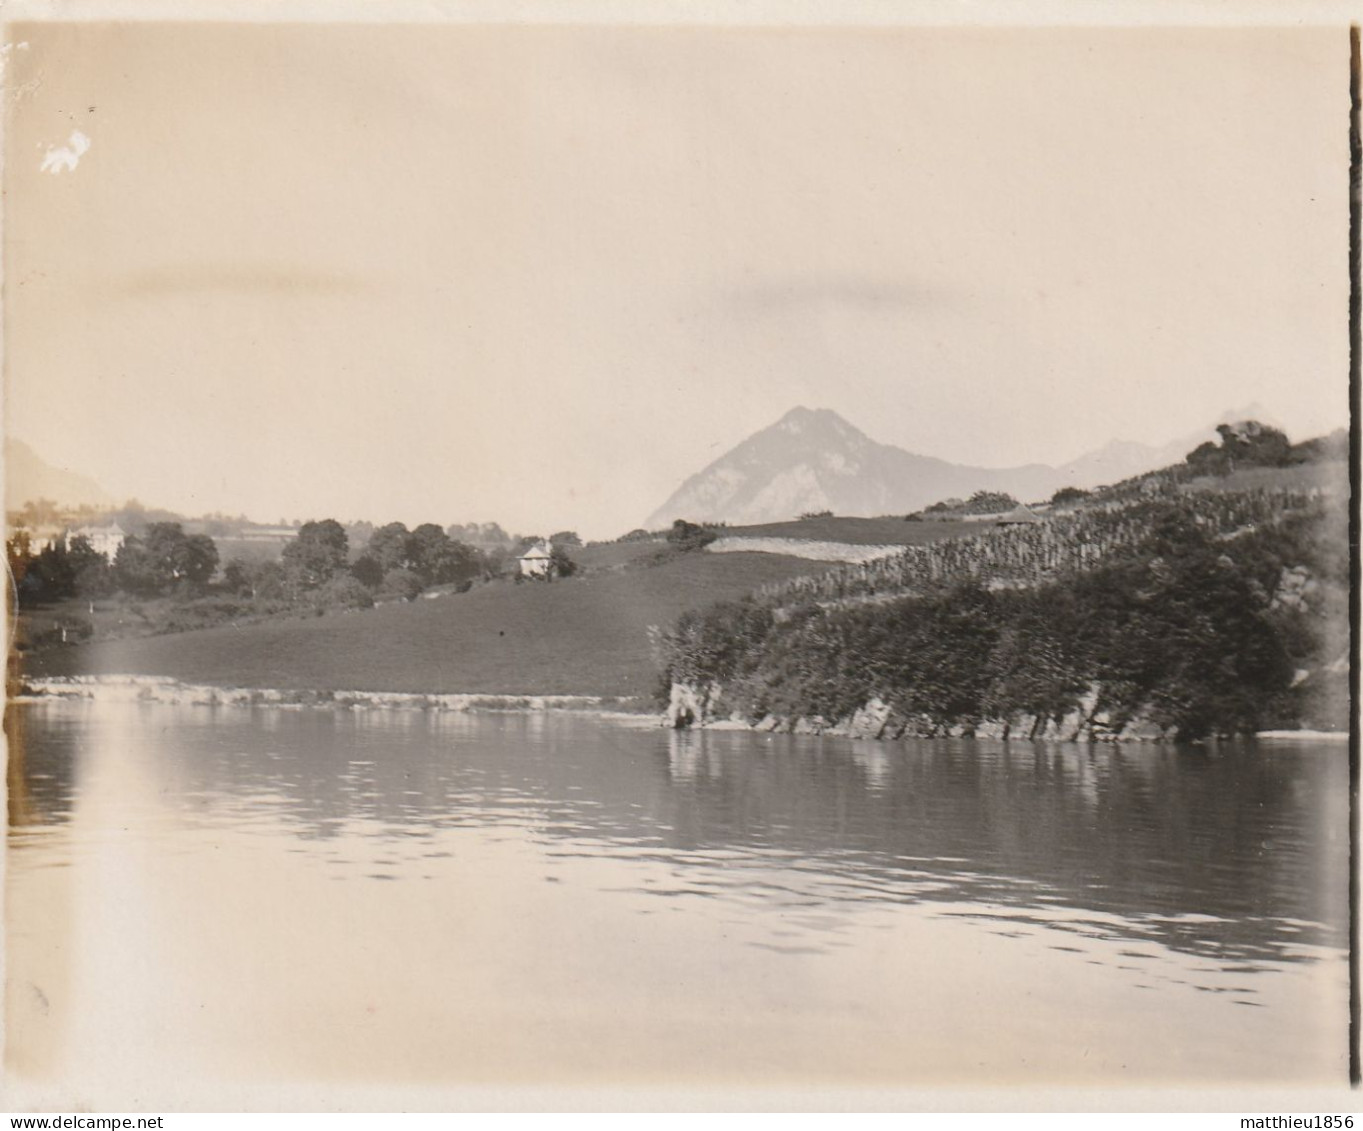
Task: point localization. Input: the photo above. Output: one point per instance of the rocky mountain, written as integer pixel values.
(813, 460)
(28, 478)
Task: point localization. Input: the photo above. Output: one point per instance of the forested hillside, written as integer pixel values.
(1151, 613)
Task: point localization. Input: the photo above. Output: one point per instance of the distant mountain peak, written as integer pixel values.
(801, 419)
(812, 459)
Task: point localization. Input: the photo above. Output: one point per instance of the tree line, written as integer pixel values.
(316, 567)
(162, 560)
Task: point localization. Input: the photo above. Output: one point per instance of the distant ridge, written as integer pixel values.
(813, 460)
(28, 478)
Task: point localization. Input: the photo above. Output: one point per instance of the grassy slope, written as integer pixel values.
(858, 531)
(1326, 475)
(581, 636)
(613, 555)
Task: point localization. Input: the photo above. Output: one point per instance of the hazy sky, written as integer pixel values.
(540, 275)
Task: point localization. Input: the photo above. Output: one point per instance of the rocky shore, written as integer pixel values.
(703, 706)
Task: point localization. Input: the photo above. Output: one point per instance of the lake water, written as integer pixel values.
(216, 898)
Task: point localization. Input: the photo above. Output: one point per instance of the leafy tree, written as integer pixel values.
(134, 568)
(174, 557)
(1245, 444)
(50, 576)
(367, 571)
(256, 579)
(990, 502)
(269, 581)
(359, 533)
(565, 538)
(92, 576)
(236, 577)
(439, 560)
(344, 591)
(1070, 495)
(402, 583)
(688, 536)
(200, 560)
(560, 564)
(391, 546)
(317, 554)
(19, 555)
(164, 558)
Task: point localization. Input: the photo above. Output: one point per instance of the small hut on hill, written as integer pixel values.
(535, 561)
(1020, 515)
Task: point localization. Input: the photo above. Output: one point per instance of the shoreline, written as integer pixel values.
(166, 690)
(169, 691)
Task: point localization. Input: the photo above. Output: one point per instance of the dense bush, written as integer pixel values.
(688, 536)
(1246, 444)
(401, 583)
(344, 592)
(1184, 628)
(560, 564)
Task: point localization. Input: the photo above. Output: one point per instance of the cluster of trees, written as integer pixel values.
(687, 536)
(316, 569)
(1246, 444)
(1183, 632)
(162, 560)
(317, 565)
(405, 560)
(484, 535)
(55, 571)
(981, 502)
(1067, 495)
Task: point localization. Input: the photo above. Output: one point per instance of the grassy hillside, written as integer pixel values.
(890, 531)
(581, 636)
(614, 555)
(1331, 476)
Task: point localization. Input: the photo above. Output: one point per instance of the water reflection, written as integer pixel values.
(1235, 854)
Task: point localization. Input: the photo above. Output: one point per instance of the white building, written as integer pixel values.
(535, 561)
(103, 539)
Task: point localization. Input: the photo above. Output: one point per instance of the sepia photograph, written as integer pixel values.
(676, 557)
